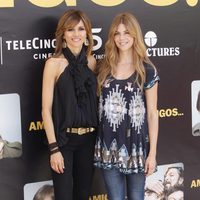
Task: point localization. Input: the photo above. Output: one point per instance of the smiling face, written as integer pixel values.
(123, 39)
(75, 36)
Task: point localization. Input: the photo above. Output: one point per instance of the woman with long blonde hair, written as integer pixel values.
(127, 135)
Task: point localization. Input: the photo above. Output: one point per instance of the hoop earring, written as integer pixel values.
(86, 43)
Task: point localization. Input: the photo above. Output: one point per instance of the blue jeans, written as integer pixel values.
(116, 183)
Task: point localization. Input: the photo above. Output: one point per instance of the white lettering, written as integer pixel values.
(9, 44)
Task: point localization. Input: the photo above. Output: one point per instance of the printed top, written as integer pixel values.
(123, 140)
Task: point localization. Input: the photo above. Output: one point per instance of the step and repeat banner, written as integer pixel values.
(171, 31)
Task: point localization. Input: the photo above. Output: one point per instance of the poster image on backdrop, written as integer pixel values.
(39, 190)
(166, 183)
(195, 94)
(10, 126)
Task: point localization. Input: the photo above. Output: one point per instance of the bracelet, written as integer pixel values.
(54, 151)
(53, 145)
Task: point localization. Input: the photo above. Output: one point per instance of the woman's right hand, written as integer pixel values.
(57, 162)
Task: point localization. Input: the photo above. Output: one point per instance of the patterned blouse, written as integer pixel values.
(123, 140)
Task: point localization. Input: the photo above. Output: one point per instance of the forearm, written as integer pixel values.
(48, 125)
(153, 132)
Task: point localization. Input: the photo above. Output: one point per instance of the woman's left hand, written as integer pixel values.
(150, 165)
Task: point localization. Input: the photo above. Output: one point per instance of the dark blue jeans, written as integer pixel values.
(117, 183)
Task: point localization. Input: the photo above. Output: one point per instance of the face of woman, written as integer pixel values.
(122, 38)
(75, 37)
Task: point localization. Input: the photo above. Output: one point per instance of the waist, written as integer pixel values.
(80, 131)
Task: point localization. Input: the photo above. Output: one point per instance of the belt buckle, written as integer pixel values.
(81, 131)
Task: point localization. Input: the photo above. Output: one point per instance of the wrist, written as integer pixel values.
(152, 155)
(54, 151)
(52, 146)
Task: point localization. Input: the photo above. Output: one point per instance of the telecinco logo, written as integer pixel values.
(151, 39)
(37, 44)
(32, 44)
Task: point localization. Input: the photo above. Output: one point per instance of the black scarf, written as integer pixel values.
(80, 74)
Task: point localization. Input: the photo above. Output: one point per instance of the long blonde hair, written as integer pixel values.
(68, 20)
(111, 58)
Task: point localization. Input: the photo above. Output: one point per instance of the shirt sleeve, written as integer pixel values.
(151, 76)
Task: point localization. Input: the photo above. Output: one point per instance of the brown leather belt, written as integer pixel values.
(80, 131)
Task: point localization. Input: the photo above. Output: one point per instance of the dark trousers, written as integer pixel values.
(76, 181)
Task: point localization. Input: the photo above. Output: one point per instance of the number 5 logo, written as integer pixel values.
(97, 38)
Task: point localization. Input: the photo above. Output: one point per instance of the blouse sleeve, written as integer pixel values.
(151, 76)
